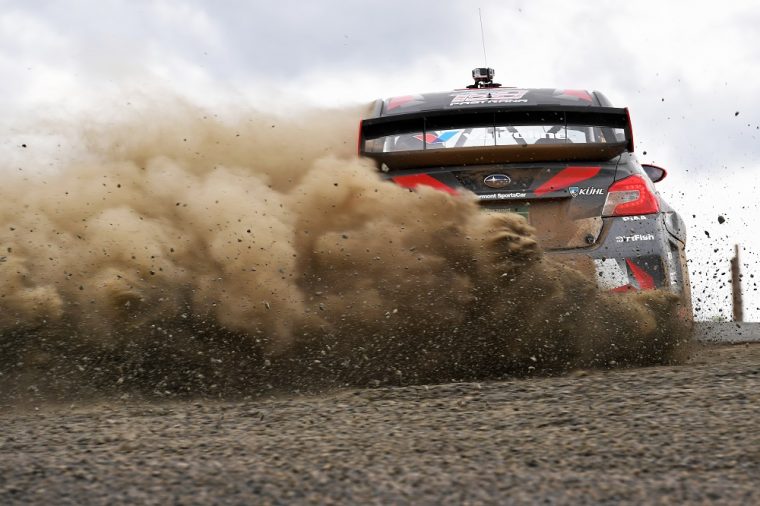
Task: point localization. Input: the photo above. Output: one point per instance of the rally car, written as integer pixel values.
(563, 159)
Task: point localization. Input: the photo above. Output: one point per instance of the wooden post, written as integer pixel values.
(736, 286)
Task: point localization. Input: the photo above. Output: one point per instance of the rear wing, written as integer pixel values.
(376, 134)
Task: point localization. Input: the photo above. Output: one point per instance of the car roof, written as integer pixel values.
(485, 97)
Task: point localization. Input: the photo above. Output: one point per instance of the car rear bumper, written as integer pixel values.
(633, 253)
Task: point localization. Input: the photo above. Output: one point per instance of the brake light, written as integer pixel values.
(630, 196)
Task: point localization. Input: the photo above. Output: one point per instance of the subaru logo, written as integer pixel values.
(497, 180)
(574, 191)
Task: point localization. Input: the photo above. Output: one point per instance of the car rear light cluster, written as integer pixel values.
(631, 196)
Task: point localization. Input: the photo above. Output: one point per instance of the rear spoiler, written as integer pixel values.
(425, 121)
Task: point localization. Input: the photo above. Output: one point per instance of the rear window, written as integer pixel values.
(483, 136)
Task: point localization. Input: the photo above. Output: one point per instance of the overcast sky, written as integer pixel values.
(685, 69)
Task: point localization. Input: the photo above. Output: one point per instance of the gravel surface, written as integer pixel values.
(654, 435)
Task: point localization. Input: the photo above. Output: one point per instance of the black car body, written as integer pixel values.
(562, 158)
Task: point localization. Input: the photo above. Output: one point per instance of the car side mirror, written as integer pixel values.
(655, 173)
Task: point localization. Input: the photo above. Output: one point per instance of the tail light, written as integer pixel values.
(631, 196)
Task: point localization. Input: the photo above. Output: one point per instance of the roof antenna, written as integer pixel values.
(483, 38)
(483, 76)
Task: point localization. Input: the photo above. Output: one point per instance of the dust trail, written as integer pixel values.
(181, 252)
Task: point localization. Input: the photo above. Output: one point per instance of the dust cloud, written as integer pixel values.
(184, 253)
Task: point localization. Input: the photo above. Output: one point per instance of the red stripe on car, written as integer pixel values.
(422, 180)
(645, 281)
(566, 177)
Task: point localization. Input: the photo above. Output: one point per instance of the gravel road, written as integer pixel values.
(654, 435)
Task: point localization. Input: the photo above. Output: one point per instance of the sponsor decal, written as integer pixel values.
(534, 136)
(497, 180)
(576, 190)
(432, 138)
(493, 96)
(672, 266)
(634, 218)
(634, 238)
(503, 196)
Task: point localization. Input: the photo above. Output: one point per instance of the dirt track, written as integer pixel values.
(653, 435)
